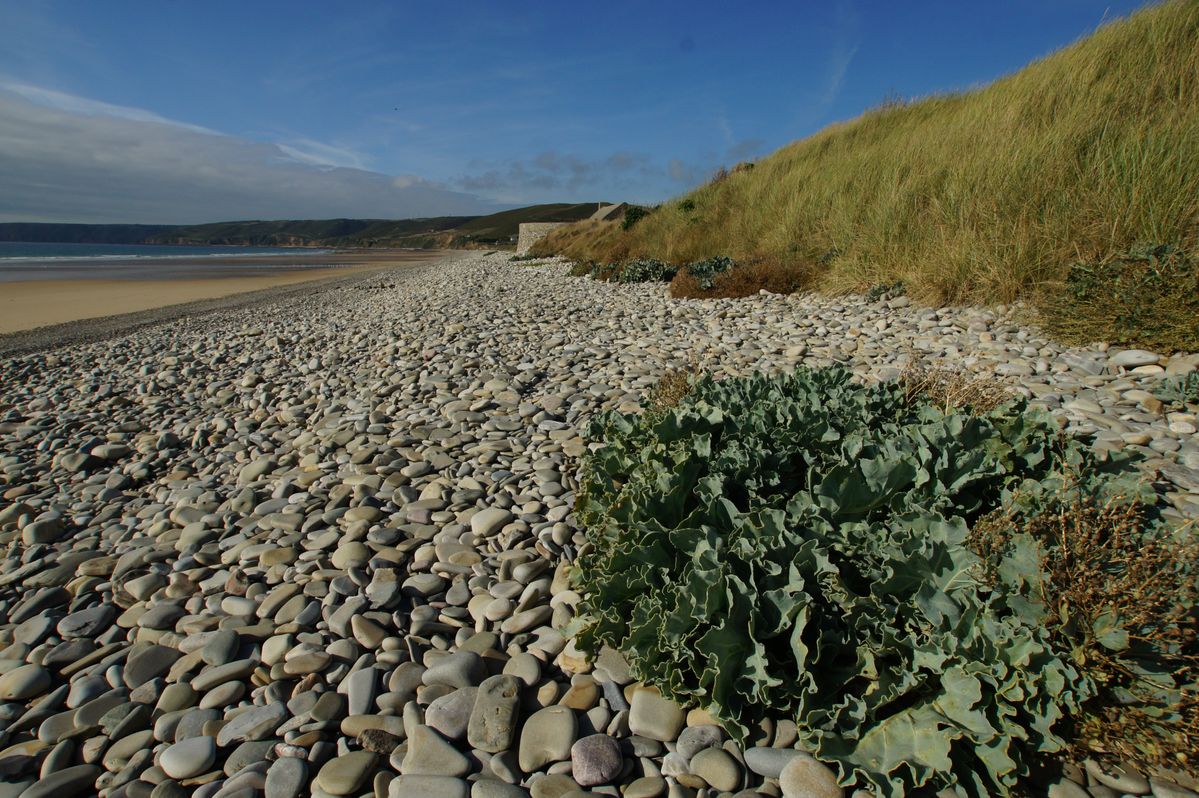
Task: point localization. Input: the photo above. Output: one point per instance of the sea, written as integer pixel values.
(37, 261)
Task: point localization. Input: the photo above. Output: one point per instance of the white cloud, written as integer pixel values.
(82, 106)
(838, 65)
(408, 181)
(318, 154)
(845, 47)
(68, 158)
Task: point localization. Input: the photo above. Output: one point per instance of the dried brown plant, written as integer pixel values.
(776, 275)
(953, 389)
(674, 386)
(1101, 560)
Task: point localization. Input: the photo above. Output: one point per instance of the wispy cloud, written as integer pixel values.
(726, 130)
(82, 106)
(845, 47)
(68, 158)
(838, 65)
(320, 154)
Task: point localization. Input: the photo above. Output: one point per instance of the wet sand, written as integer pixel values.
(29, 304)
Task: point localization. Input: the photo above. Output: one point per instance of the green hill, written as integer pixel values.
(307, 233)
(502, 227)
(496, 231)
(984, 196)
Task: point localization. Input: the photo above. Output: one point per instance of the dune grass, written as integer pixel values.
(985, 196)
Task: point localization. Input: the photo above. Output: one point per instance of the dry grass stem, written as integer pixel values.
(1102, 561)
(673, 387)
(953, 389)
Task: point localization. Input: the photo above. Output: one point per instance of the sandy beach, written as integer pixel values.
(29, 304)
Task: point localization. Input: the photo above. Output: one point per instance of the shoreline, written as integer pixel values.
(39, 315)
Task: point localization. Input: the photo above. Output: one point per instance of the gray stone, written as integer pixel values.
(804, 777)
(1131, 358)
(221, 648)
(491, 788)
(248, 754)
(694, 739)
(428, 787)
(460, 669)
(68, 782)
(148, 663)
(111, 451)
(254, 471)
(718, 768)
(213, 676)
(595, 760)
(525, 667)
(188, 758)
(87, 623)
(23, 683)
(488, 522)
(654, 716)
(1064, 788)
(1123, 780)
(193, 721)
(256, 723)
(555, 785)
(430, 755)
(286, 778)
(769, 762)
(362, 687)
(450, 714)
(47, 530)
(613, 663)
(547, 737)
(346, 774)
(1166, 789)
(492, 724)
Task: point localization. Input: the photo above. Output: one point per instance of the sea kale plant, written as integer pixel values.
(705, 271)
(799, 544)
(646, 270)
(1178, 391)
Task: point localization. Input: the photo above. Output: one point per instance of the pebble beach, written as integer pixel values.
(319, 544)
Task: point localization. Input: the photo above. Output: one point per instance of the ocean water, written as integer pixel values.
(35, 261)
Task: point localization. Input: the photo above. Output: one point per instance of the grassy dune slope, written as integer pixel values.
(983, 196)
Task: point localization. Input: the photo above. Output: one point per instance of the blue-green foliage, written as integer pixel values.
(797, 543)
(648, 270)
(1178, 391)
(705, 271)
(645, 270)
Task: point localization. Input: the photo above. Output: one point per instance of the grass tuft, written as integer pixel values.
(1148, 297)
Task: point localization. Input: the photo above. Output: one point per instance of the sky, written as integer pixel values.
(177, 113)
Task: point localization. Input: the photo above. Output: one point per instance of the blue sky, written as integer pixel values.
(191, 112)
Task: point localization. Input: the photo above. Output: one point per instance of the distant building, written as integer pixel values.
(609, 213)
(532, 232)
